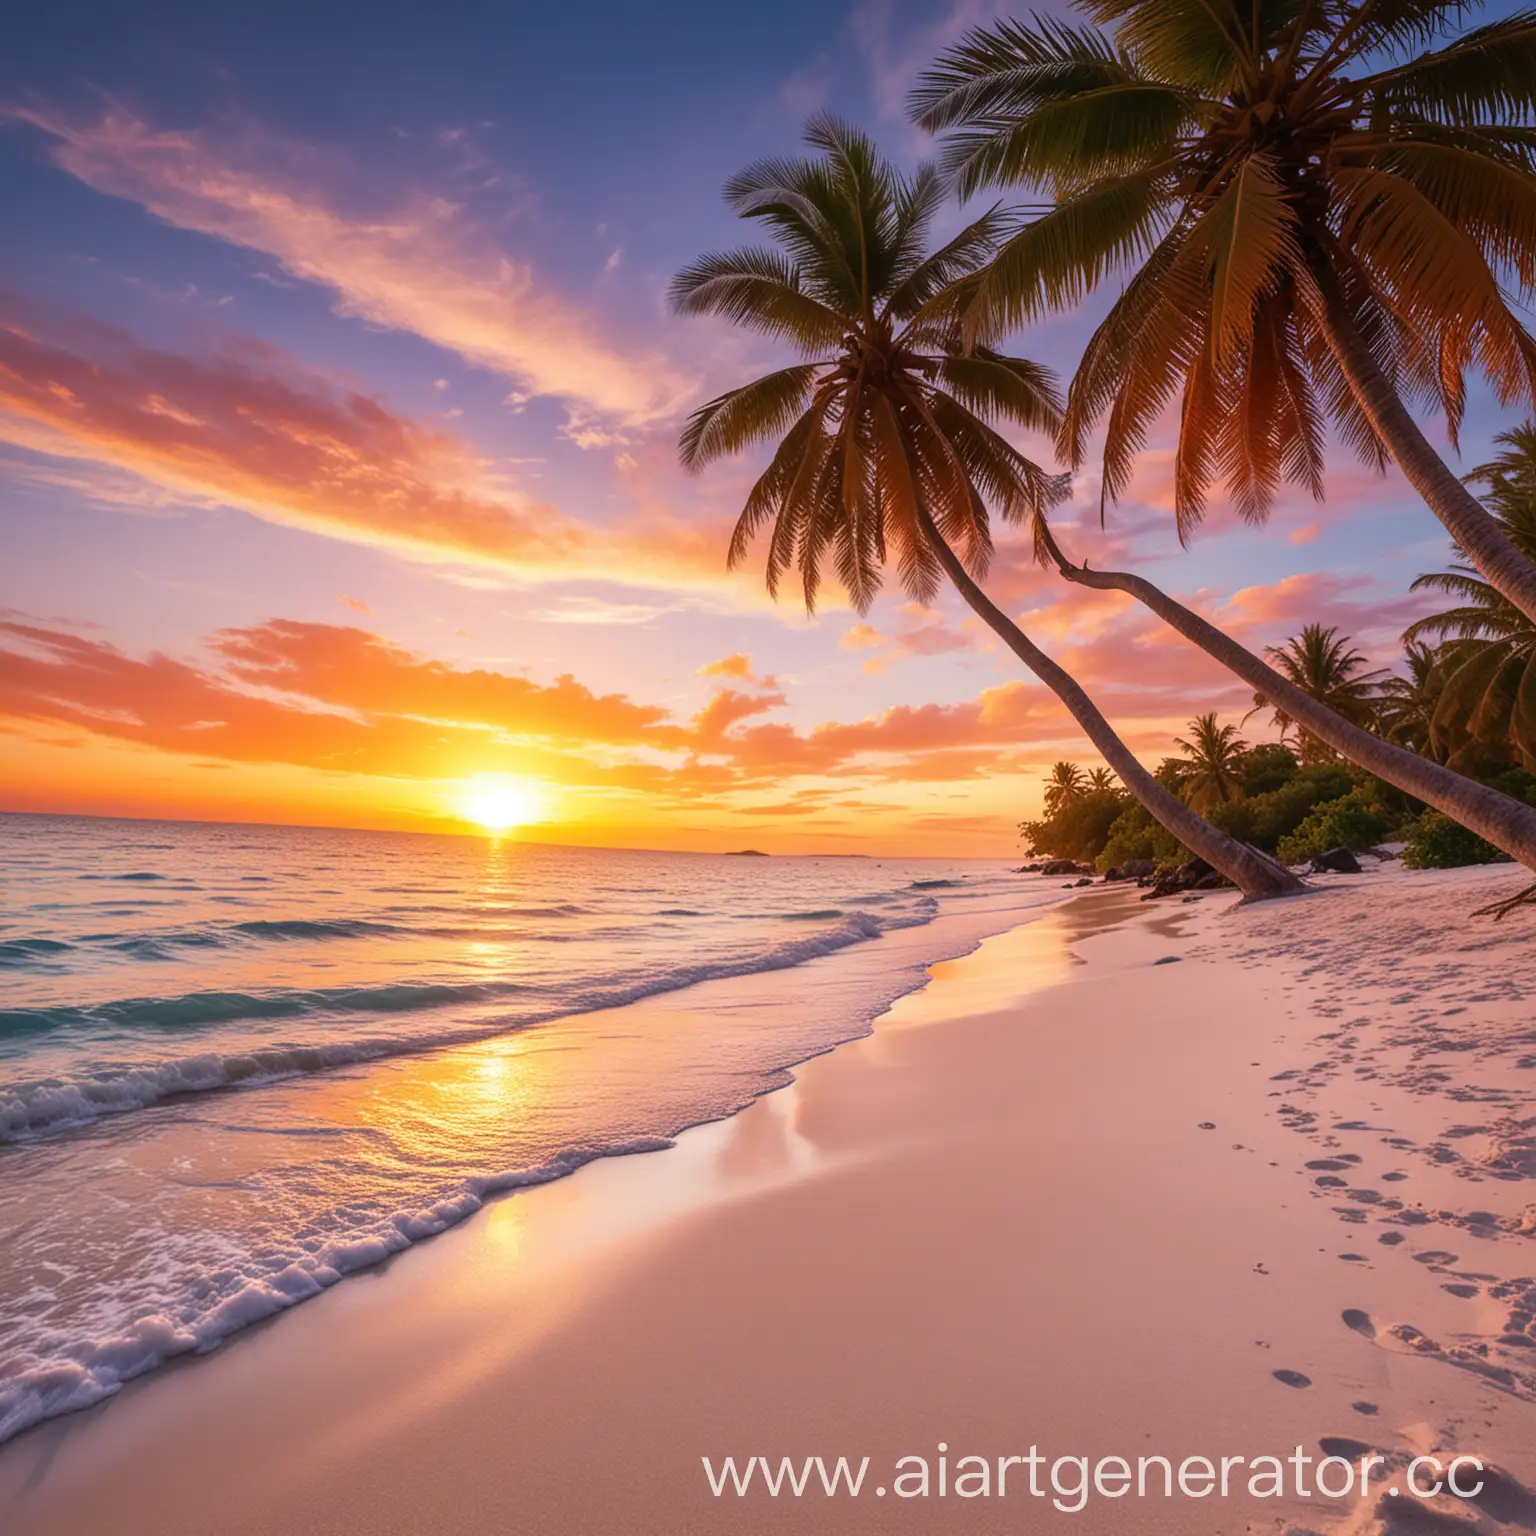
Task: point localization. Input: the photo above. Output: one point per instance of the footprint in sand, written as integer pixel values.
(1391, 1239)
(1370, 1410)
(1466, 1292)
(1292, 1378)
(1434, 1256)
(1505, 1499)
(1343, 1445)
(1359, 1321)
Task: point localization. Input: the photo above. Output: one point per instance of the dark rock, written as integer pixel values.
(1196, 875)
(1061, 867)
(1337, 861)
(1087, 880)
(1113, 873)
(1139, 869)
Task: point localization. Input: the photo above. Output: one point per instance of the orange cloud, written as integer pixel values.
(261, 433)
(257, 430)
(422, 266)
(338, 699)
(1307, 535)
(353, 670)
(739, 665)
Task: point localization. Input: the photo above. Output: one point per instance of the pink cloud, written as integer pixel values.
(421, 266)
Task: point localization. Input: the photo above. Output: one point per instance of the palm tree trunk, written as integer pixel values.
(1474, 531)
(1506, 823)
(1254, 873)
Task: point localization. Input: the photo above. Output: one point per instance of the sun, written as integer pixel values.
(499, 804)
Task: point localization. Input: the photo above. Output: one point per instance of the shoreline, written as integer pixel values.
(668, 1033)
(1051, 1196)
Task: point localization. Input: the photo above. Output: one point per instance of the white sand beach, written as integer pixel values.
(1090, 1190)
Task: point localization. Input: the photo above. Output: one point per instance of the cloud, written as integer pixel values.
(739, 665)
(1347, 602)
(421, 266)
(253, 428)
(340, 699)
(1307, 535)
(260, 432)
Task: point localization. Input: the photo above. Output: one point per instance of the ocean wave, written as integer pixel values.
(31, 1109)
(194, 1010)
(83, 1371)
(166, 945)
(30, 951)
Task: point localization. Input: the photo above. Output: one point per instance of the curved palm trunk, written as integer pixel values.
(1254, 873)
(1504, 822)
(1465, 518)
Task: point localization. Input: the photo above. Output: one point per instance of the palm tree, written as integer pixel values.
(883, 450)
(1505, 822)
(1328, 213)
(1487, 665)
(1212, 763)
(1406, 712)
(1101, 780)
(1066, 783)
(1321, 664)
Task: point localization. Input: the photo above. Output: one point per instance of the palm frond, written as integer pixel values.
(731, 421)
(759, 289)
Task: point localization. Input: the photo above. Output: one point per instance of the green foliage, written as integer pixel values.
(1077, 829)
(1135, 835)
(1437, 842)
(1212, 758)
(1517, 783)
(1357, 820)
(1266, 767)
(1264, 819)
(1481, 714)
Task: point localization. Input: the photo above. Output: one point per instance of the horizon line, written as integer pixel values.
(487, 837)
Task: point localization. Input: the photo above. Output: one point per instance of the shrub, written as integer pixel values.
(1517, 783)
(1357, 820)
(1135, 835)
(1266, 767)
(1437, 842)
(1079, 829)
(1264, 819)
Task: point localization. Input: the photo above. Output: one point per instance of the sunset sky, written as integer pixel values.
(338, 411)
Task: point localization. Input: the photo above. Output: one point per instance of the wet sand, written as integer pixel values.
(1061, 1197)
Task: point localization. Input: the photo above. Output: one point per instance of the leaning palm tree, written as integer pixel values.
(1487, 664)
(1066, 784)
(1212, 763)
(883, 448)
(1330, 210)
(1505, 822)
(1320, 662)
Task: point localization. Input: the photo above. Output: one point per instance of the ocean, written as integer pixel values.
(238, 1063)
